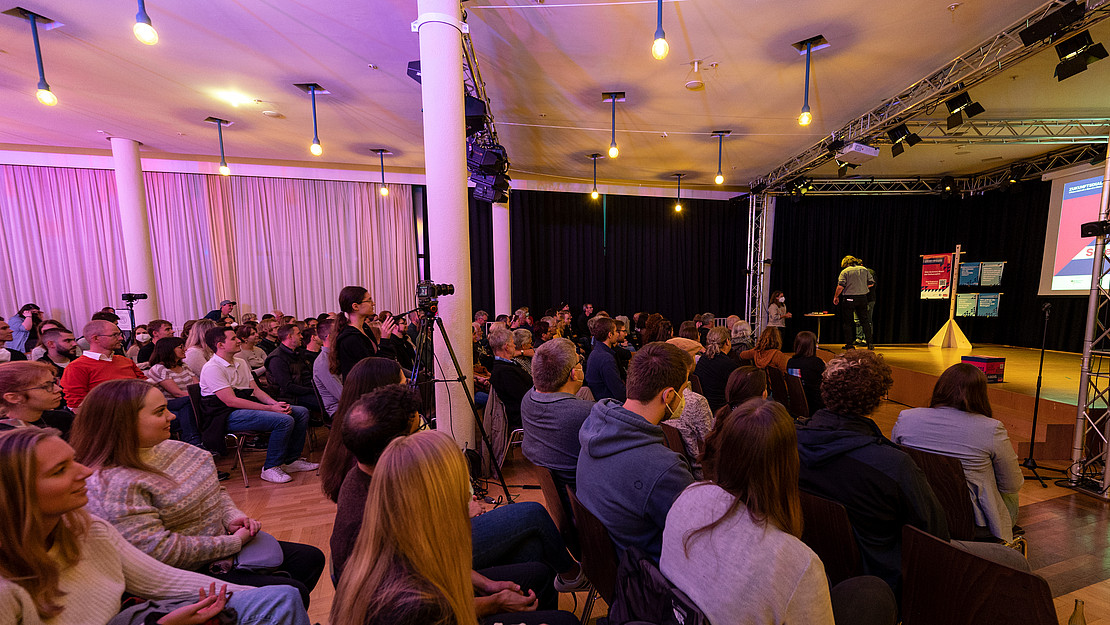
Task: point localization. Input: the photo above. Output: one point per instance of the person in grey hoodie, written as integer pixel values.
(626, 476)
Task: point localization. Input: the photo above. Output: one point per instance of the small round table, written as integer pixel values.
(819, 316)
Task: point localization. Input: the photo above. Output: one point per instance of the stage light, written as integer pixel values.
(613, 97)
(143, 29)
(486, 158)
(659, 47)
(477, 115)
(381, 152)
(947, 187)
(1053, 24)
(43, 92)
(720, 134)
(901, 136)
(312, 89)
(678, 195)
(806, 47)
(594, 194)
(491, 188)
(960, 105)
(843, 167)
(220, 123)
(1076, 53)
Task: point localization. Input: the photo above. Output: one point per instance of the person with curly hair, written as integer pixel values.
(845, 458)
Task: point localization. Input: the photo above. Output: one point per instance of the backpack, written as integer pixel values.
(642, 594)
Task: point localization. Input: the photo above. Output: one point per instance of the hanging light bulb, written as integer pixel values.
(220, 123)
(383, 191)
(660, 47)
(594, 194)
(807, 47)
(44, 94)
(613, 151)
(678, 196)
(143, 29)
(720, 134)
(614, 97)
(806, 118)
(316, 148)
(224, 169)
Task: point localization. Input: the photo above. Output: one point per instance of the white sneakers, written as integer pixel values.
(280, 474)
(300, 465)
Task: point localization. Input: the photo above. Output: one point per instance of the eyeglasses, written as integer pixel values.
(112, 335)
(46, 386)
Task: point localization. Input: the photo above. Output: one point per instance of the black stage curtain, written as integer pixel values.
(890, 234)
(646, 258)
(481, 255)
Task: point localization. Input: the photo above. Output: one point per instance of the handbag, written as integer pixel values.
(261, 555)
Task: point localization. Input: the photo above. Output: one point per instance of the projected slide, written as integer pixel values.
(1074, 258)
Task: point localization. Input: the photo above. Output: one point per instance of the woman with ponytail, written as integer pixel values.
(353, 338)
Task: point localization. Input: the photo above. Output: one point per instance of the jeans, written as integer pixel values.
(852, 306)
(269, 605)
(287, 431)
(519, 532)
(186, 421)
(302, 563)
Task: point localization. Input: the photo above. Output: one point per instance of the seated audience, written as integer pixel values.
(40, 349)
(327, 383)
(846, 458)
(267, 334)
(30, 396)
(689, 330)
(656, 328)
(168, 371)
(767, 351)
(250, 352)
(602, 372)
(741, 337)
(367, 375)
(159, 329)
(715, 366)
(287, 372)
(196, 352)
(398, 344)
(234, 403)
(8, 354)
(419, 498)
(696, 419)
(744, 383)
(542, 332)
(313, 344)
(61, 349)
(959, 423)
(224, 310)
(163, 496)
(74, 568)
(353, 337)
(808, 366)
(733, 543)
(482, 354)
(142, 338)
(623, 349)
(522, 337)
(508, 378)
(626, 476)
(99, 363)
(551, 412)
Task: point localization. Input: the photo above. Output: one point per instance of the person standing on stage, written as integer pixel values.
(852, 286)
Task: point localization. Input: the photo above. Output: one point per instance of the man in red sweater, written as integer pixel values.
(98, 363)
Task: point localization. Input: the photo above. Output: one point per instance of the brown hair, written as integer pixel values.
(600, 327)
(165, 353)
(854, 382)
(655, 367)
(284, 331)
(349, 296)
(769, 338)
(753, 455)
(717, 338)
(962, 386)
(16, 376)
(106, 431)
(689, 330)
(805, 344)
(743, 383)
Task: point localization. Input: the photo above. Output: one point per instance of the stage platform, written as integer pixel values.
(917, 367)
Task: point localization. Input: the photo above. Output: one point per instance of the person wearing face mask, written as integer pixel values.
(142, 339)
(776, 312)
(626, 476)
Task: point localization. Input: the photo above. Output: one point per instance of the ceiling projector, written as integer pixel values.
(856, 153)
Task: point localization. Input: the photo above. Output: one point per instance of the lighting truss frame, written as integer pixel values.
(1010, 131)
(761, 212)
(986, 60)
(476, 87)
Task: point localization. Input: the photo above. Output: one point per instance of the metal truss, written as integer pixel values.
(989, 59)
(1009, 131)
(1089, 471)
(758, 260)
(476, 87)
(870, 186)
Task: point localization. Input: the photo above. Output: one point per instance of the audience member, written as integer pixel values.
(656, 328)
(398, 345)
(744, 383)
(541, 333)
(367, 375)
(581, 323)
(8, 354)
(30, 396)
(40, 349)
(197, 351)
(141, 337)
(187, 327)
(846, 458)
(689, 330)
(808, 367)
(522, 338)
(233, 402)
(741, 337)
(159, 329)
(551, 412)
(168, 371)
(98, 363)
(311, 323)
(250, 352)
(353, 337)
(224, 310)
(73, 568)
(249, 317)
(508, 378)
(327, 383)
(267, 334)
(163, 496)
(313, 344)
(626, 476)
(287, 372)
(733, 543)
(714, 367)
(602, 372)
(61, 349)
(25, 327)
(959, 423)
(705, 322)
(767, 351)
(482, 354)
(730, 321)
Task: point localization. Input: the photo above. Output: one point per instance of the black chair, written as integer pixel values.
(320, 400)
(828, 532)
(672, 438)
(695, 384)
(557, 498)
(599, 555)
(946, 477)
(945, 585)
(234, 440)
(798, 404)
(776, 384)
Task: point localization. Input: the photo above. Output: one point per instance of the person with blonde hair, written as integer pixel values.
(62, 566)
(412, 559)
(715, 366)
(29, 396)
(196, 351)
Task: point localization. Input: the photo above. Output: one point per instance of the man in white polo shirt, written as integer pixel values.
(226, 382)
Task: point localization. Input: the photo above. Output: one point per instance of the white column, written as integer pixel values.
(441, 71)
(131, 193)
(502, 271)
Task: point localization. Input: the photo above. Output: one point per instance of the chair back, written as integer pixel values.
(695, 384)
(943, 584)
(672, 438)
(828, 532)
(194, 401)
(320, 401)
(599, 554)
(946, 477)
(798, 404)
(776, 384)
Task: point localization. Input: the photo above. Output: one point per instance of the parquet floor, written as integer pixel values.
(1068, 533)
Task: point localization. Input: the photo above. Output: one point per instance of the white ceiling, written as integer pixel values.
(545, 64)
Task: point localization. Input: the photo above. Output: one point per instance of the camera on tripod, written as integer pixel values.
(133, 297)
(428, 294)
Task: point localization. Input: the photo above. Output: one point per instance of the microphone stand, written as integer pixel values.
(1029, 462)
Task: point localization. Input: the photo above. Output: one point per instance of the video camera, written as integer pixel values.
(133, 297)
(428, 293)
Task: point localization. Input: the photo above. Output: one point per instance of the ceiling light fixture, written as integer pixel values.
(614, 97)
(44, 94)
(660, 47)
(1076, 53)
(901, 136)
(312, 89)
(947, 187)
(678, 196)
(381, 152)
(720, 134)
(594, 194)
(960, 105)
(143, 29)
(694, 81)
(220, 123)
(807, 47)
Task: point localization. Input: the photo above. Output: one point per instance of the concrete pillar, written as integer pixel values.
(502, 271)
(441, 69)
(131, 193)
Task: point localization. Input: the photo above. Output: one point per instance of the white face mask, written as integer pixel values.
(142, 338)
(782, 300)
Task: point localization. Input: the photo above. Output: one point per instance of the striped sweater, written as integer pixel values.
(181, 521)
